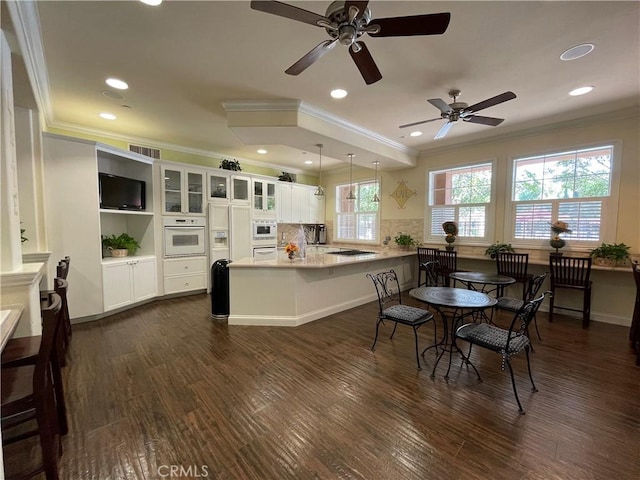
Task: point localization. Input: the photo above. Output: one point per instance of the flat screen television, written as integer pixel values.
(121, 193)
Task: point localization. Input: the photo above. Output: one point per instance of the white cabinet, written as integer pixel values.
(183, 191)
(219, 190)
(298, 204)
(127, 281)
(240, 189)
(264, 198)
(185, 274)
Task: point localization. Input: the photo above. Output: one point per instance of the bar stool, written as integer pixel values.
(571, 273)
(425, 255)
(448, 261)
(514, 265)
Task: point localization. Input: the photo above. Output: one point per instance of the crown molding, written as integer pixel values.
(24, 16)
(295, 105)
(167, 146)
(621, 114)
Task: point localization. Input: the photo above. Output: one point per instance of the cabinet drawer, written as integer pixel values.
(185, 283)
(182, 266)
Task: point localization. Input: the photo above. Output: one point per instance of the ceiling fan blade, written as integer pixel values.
(443, 130)
(429, 24)
(494, 122)
(365, 63)
(288, 11)
(419, 123)
(306, 61)
(490, 102)
(440, 105)
(361, 6)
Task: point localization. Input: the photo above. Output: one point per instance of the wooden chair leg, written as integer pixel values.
(586, 309)
(551, 299)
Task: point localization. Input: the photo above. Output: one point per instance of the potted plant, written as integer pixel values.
(405, 241)
(120, 246)
(230, 165)
(610, 254)
(286, 177)
(493, 250)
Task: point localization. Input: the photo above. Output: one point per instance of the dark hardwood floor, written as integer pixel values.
(164, 391)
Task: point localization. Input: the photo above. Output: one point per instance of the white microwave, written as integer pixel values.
(265, 230)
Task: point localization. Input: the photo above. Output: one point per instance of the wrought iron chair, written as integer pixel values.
(514, 265)
(512, 304)
(425, 255)
(572, 273)
(507, 342)
(391, 308)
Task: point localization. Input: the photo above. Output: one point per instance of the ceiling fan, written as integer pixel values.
(460, 110)
(346, 22)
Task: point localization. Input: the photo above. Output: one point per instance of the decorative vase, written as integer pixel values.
(292, 256)
(557, 243)
(118, 252)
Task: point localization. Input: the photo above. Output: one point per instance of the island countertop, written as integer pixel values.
(314, 260)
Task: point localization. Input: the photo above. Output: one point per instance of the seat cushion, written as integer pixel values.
(407, 314)
(511, 304)
(491, 337)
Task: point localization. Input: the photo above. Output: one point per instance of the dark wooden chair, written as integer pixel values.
(28, 394)
(634, 333)
(448, 261)
(514, 265)
(24, 351)
(506, 342)
(390, 307)
(425, 255)
(62, 271)
(571, 273)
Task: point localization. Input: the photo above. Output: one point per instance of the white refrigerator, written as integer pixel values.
(229, 232)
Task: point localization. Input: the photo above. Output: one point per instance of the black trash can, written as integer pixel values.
(220, 289)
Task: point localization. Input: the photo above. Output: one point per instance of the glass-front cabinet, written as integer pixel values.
(264, 197)
(240, 191)
(183, 192)
(218, 187)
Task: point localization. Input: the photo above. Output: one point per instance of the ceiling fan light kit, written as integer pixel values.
(346, 22)
(320, 190)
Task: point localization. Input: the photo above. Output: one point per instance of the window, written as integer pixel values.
(462, 195)
(357, 220)
(573, 186)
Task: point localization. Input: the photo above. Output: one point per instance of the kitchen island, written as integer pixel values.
(282, 292)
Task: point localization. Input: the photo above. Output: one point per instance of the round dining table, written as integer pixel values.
(471, 279)
(454, 305)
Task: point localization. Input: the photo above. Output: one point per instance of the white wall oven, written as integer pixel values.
(184, 237)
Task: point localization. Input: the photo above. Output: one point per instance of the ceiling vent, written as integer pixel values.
(146, 151)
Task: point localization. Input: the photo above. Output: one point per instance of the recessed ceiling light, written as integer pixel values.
(578, 51)
(116, 83)
(415, 134)
(108, 116)
(308, 162)
(261, 151)
(580, 91)
(153, 3)
(338, 93)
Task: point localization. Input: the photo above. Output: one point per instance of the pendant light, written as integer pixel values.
(320, 190)
(351, 195)
(376, 198)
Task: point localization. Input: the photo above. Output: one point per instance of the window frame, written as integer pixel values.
(609, 212)
(356, 186)
(490, 207)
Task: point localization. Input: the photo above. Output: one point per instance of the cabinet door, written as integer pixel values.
(144, 279)
(117, 285)
(240, 189)
(195, 192)
(270, 197)
(218, 187)
(300, 204)
(283, 203)
(258, 195)
(316, 207)
(172, 191)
